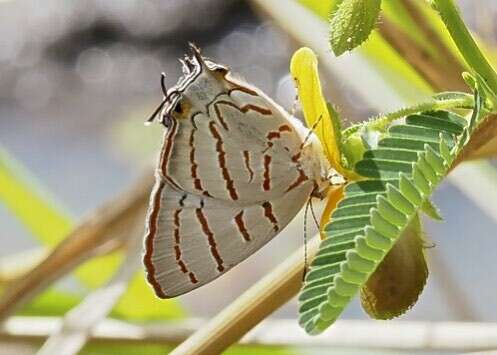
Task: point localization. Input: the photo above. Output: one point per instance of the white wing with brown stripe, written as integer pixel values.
(194, 239)
(234, 170)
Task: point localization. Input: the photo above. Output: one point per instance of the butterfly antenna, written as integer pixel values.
(163, 83)
(155, 113)
(313, 214)
(164, 100)
(305, 240)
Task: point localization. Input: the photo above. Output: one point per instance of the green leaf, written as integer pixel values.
(53, 302)
(374, 214)
(319, 7)
(351, 24)
(431, 210)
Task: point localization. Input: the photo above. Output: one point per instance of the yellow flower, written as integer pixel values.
(324, 122)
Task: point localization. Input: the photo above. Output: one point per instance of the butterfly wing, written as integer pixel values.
(240, 146)
(231, 176)
(193, 239)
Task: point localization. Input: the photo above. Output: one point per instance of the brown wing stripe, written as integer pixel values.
(177, 241)
(210, 238)
(182, 265)
(273, 135)
(266, 184)
(238, 87)
(197, 183)
(241, 226)
(246, 158)
(296, 157)
(268, 213)
(220, 117)
(245, 108)
(277, 134)
(300, 179)
(221, 157)
(149, 240)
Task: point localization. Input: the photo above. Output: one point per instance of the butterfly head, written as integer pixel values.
(202, 81)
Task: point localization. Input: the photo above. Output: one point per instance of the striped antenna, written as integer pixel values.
(164, 100)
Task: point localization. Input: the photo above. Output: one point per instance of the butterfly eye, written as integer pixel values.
(178, 108)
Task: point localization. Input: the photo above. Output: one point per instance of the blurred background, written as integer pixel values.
(78, 79)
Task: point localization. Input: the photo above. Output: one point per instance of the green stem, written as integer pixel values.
(465, 42)
(381, 122)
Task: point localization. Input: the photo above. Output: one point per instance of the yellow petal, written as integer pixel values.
(304, 69)
(334, 196)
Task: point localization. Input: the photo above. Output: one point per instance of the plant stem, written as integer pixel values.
(382, 121)
(465, 42)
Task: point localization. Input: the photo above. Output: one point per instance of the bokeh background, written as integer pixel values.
(78, 79)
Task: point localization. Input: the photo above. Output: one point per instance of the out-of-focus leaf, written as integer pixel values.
(51, 303)
(97, 270)
(140, 303)
(319, 7)
(36, 209)
(351, 24)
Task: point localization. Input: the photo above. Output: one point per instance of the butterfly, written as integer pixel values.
(235, 168)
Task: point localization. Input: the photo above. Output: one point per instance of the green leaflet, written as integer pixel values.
(351, 23)
(403, 171)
